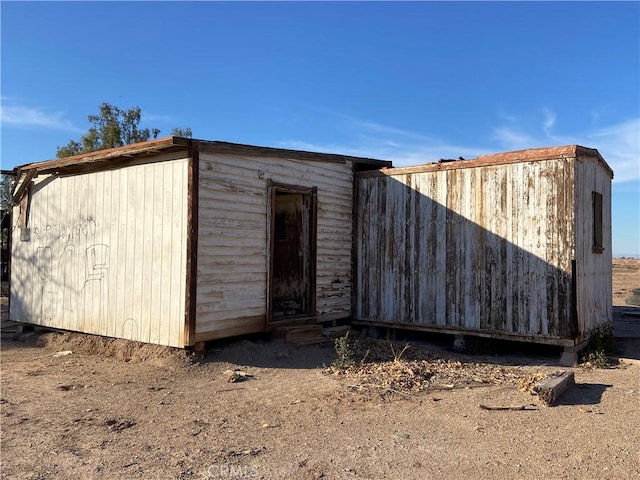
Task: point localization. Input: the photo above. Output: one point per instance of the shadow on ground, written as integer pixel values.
(626, 330)
(583, 394)
(260, 350)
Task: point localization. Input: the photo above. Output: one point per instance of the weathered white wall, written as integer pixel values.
(593, 270)
(233, 238)
(486, 248)
(106, 253)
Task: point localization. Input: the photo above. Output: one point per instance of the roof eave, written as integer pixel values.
(150, 147)
(517, 156)
(252, 150)
(168, 144)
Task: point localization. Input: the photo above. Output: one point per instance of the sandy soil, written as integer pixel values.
(118, 410)
(626, 277)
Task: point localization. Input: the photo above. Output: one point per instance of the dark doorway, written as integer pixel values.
(293, 252)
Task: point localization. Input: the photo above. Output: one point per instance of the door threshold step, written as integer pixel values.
(302, 336)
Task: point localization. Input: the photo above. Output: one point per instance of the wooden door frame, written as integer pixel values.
(272, 190)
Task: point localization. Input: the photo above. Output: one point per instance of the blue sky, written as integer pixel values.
(408, 82)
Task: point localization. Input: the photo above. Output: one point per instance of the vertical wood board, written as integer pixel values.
(106, 253)
(593, 275)
(472, 248)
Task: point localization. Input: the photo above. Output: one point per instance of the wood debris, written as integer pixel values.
(388, 369)
(234, 376)
(530, 406)
(553, 385)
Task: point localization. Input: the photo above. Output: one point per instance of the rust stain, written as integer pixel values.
(504, 234)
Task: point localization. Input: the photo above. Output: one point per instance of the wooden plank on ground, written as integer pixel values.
(553, 385)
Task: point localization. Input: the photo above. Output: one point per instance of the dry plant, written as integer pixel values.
(398, 356)
(601, 345)
(345, 354)
(388, 369)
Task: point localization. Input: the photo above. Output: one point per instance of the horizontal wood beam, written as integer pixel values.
(450, 330)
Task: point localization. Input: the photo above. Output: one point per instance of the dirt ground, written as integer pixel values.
(77, 406)
(626, 277)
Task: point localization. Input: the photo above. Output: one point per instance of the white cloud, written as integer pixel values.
(511, 138)
(378, 128)
(549, 121)
(152, 117)
(34, 117)
(385, 142)
(619, 144)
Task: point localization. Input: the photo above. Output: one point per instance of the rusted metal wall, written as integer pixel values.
(103, 252)
(233, 248)
(593, 267)
(487, 248)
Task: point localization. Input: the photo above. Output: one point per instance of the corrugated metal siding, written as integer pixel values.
(593, 270)
(106, 253)
(486, 248)
(233, 246)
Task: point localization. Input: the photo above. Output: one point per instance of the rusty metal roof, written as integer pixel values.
(116, 157)
(518, 156)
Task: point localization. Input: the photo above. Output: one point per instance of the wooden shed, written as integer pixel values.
(514, 245)
(177, 241)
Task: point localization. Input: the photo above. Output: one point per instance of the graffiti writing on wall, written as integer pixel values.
(65, 232)
(44, 264)
(71, 268)
(94, 294)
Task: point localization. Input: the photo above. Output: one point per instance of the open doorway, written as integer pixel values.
(292, 266)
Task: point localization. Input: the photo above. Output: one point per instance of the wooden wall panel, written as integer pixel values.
(106, 253)
(485, 249)
(233, 243)
(593, 276)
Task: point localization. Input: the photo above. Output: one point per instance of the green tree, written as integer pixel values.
(5, 193)
(113, 127)
(181, 132)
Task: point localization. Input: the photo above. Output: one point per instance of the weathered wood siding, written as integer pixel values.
(233, 238)
(487, 248)
(106, 253)
(593, 269)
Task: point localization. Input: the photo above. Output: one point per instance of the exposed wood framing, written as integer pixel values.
(271, 195)
(126, 152)
(22, 187)
(192, 244)
(313, 250)
(24, 208)
(121, 156)
(354, 242)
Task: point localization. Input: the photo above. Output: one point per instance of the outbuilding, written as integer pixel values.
(177, 241)
(514, 246)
